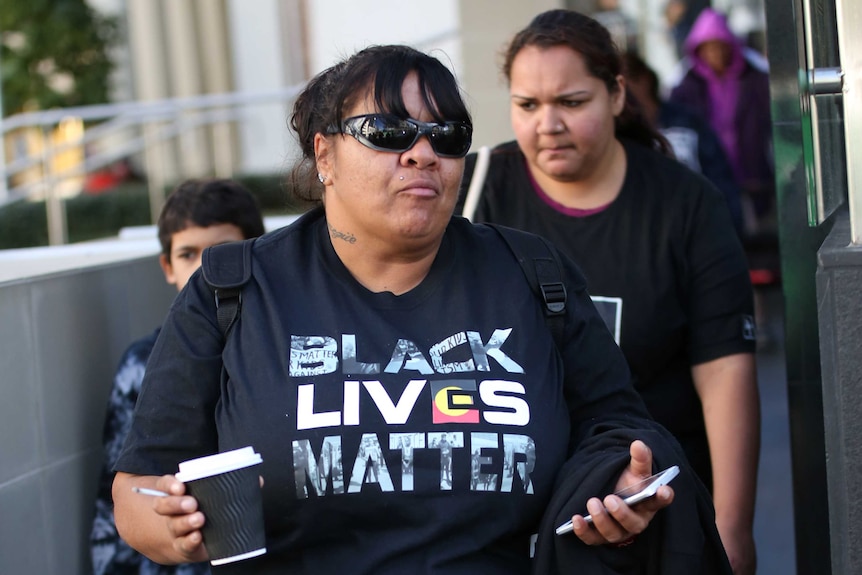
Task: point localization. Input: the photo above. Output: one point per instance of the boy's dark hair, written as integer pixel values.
(208, 202)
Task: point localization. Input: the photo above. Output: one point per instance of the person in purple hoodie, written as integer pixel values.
(731, 91)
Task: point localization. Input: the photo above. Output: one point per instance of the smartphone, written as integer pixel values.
(634, 493)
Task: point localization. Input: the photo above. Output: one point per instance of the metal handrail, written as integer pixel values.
(209, 109)
(145, 108)
(133, 145)
(157, 120)
(130, 127)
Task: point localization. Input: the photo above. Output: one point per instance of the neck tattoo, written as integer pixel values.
(346, 236)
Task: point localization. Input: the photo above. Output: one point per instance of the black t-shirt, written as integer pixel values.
(664, 267)
(328, 381)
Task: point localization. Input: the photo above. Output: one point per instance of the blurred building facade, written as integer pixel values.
(187, 48)
(176, 61)
(50, 416)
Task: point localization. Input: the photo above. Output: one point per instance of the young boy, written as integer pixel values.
(198, 214)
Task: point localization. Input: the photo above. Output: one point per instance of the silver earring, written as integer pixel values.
(401, 178)
(321, 177)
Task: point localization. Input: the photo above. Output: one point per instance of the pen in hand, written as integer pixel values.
(154, 492)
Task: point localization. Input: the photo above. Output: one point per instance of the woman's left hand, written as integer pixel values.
(613, 520)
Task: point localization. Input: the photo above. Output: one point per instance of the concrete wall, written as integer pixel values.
(839, 275)
(61, 336)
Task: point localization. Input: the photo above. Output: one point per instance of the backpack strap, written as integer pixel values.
(477, 181)
(226, 268)
(543, 271)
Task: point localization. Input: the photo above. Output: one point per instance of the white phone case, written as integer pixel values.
(634, 493)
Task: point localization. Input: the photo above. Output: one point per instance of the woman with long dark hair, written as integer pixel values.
(655, 241)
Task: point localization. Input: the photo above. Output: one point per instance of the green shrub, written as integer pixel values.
(23, 224)
(102, 215)
(92, 216)
(272, 192)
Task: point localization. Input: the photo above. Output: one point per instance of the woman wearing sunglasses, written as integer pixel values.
(655, 241)
(378, 320)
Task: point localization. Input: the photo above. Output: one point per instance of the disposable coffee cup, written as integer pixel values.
(227, 488)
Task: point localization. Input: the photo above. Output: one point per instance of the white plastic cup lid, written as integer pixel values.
(219, 463)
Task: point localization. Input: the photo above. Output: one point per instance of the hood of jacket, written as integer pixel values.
(711, 25)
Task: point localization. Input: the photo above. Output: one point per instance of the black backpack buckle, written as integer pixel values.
(554, 295)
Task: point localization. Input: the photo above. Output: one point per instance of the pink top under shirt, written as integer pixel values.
(557, 206)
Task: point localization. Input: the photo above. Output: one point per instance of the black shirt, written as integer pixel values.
(318, 365)
(663, 264)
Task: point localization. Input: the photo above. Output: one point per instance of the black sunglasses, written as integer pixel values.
(389, 133)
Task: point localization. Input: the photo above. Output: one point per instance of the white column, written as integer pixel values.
(185, 70)
(217, 73)
(4, 190)
(151, 83)
(258, 67)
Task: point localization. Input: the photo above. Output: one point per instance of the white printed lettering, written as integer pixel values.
(348, 357)
(521, 456)
(407, 356)
(497, 393)
(400, 413)
(437, 350)
(480, 350)
(312, 355)
(306, 418)
(351, 403)
(369, 467)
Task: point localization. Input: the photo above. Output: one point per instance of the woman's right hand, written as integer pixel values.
(165, 529)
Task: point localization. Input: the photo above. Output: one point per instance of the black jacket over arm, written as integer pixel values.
(682, 538)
